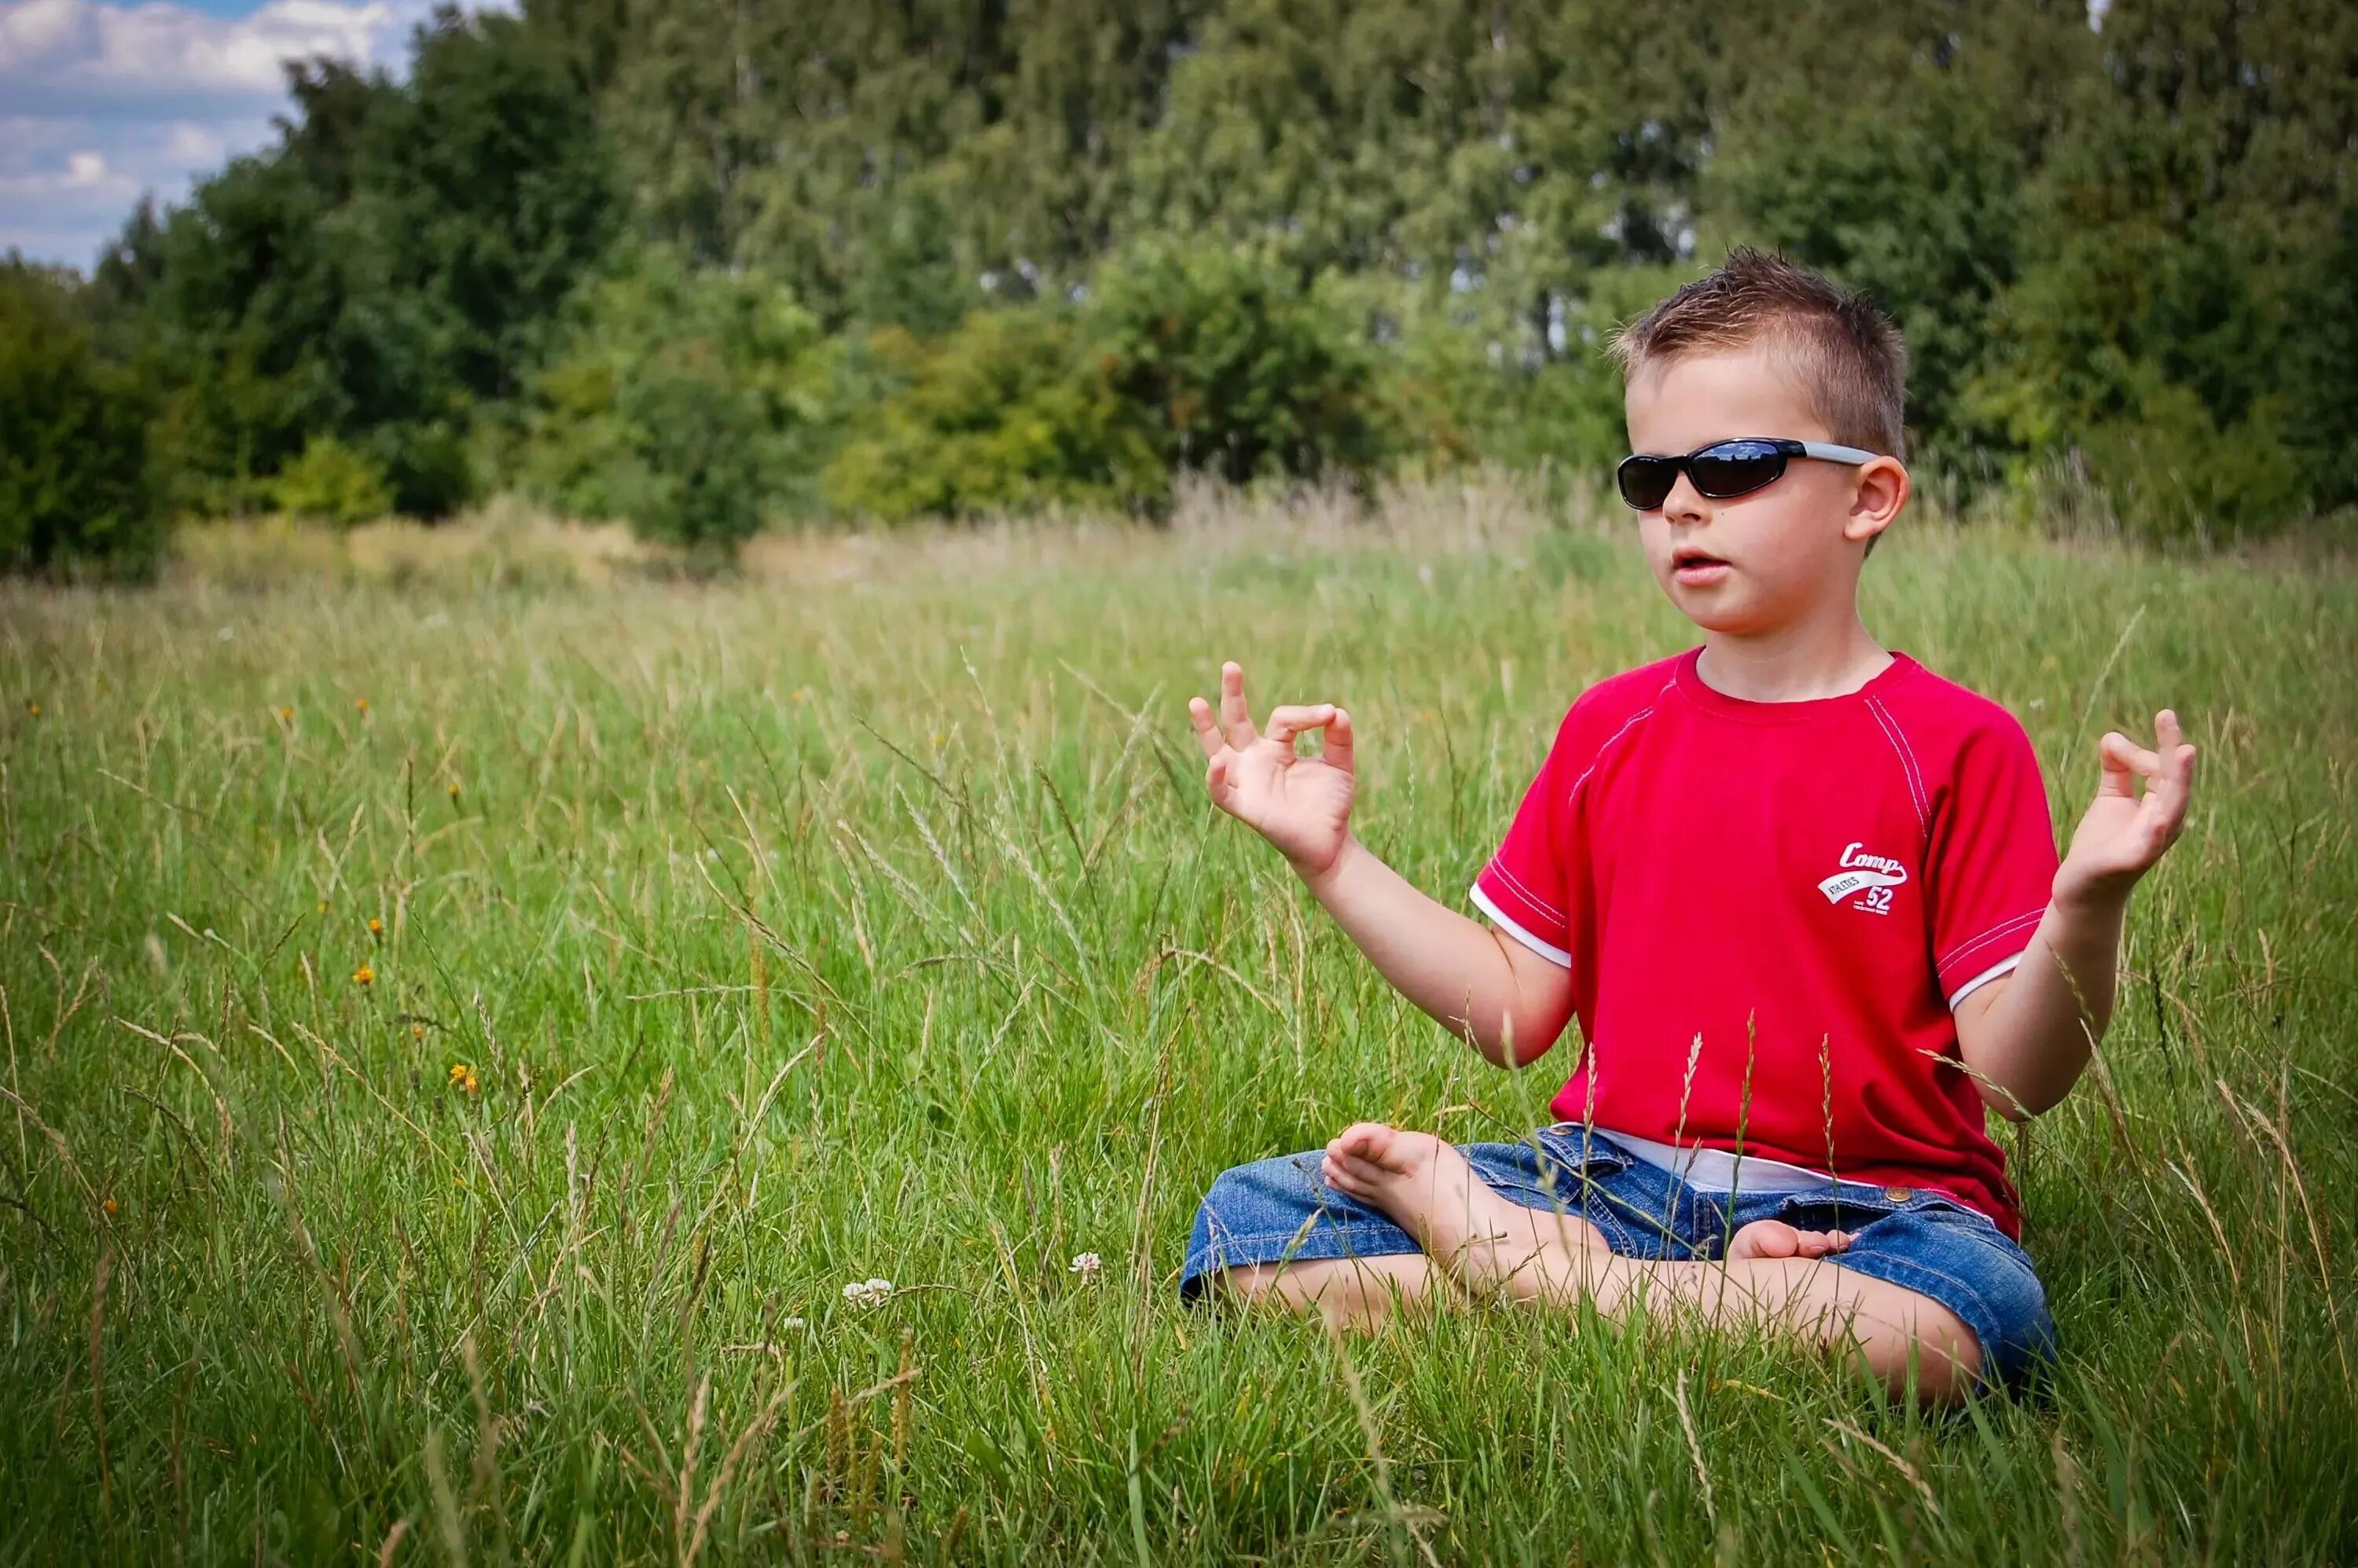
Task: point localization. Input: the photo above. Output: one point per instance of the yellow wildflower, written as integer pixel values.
(462, 1076)
(33, 708)
(417, 1031)
(108, 1206)
(361, 703)
(363, 975)
(454, 789)
(376, 927)
(286, 715)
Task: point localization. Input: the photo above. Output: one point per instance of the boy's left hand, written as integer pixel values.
(2123, 833)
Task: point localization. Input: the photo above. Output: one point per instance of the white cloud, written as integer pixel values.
(100, 101)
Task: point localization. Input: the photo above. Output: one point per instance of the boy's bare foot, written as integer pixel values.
(1427, 1187)
(1775, 1238)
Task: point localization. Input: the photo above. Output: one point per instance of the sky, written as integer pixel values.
(101, 101)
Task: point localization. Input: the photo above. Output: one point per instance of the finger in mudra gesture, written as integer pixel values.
(1300, 804)
(2123, 832)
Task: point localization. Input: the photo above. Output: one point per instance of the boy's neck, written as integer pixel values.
(1792, 663)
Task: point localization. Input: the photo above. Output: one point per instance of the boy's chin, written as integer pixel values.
(1718, 610)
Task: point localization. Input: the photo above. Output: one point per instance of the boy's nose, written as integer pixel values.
(1685, 503)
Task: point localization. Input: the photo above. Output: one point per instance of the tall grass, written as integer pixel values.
(863, 917)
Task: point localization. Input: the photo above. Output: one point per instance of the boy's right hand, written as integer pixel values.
(1302, 804)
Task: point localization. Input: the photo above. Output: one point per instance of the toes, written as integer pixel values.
(1775, 1238)
(1347, 1174)
(1824, 1243)
(1370, 1141)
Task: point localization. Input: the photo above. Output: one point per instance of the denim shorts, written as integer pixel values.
(1281, 1211)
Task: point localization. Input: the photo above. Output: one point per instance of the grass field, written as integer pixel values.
(473, 1005)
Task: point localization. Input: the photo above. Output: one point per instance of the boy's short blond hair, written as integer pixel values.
(1852, 364)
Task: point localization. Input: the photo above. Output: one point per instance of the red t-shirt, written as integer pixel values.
(1773, 876)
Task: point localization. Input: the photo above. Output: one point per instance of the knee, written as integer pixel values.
(1939, 1358)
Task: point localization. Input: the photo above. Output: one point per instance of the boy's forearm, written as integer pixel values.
(2038, 1035)
(1449, 963)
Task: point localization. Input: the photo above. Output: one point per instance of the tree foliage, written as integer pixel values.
(74, 480)
(702, 266)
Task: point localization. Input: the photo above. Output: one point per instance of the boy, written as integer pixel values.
(1801, 893)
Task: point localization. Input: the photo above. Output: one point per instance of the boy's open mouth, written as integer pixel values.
(1688, 563)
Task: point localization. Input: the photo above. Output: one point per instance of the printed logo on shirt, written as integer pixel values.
(1871, 877)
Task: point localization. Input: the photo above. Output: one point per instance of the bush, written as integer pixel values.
(1230, 366)
(426, 466)
(2172, 475)
(1182, 358)
(74, 482)
(997, 415)
(678, 402)
(330, 482)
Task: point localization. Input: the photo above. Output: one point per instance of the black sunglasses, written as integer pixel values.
(1722, 470)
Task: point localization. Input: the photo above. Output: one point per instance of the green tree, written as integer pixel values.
(1899, 163)
(2174, 320)
(74, 483)
(386, 268)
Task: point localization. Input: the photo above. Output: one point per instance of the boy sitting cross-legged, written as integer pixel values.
(1801, 893)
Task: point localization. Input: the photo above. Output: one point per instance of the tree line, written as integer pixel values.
(705, 267)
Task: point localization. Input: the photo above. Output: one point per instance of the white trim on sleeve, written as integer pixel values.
(1998, 971)
(1498, 917)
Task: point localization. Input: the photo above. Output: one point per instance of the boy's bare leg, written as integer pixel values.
(1363, 1293)
(1774, 1277)
(1355, 1293)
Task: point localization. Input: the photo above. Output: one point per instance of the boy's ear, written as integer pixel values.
(1881, 490)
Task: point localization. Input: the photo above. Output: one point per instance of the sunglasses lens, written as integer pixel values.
(1646, 481)
(1735, 468)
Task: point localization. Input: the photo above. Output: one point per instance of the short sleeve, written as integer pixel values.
(1992, 860)
(1527, 887)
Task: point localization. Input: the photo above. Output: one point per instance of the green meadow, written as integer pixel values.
(475, 998)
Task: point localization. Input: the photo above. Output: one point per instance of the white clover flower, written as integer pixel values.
(791, 1325)
(868, 1292)
(1087, 1266)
